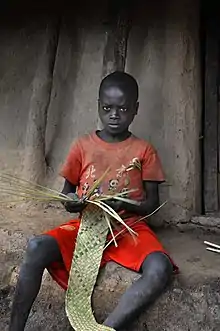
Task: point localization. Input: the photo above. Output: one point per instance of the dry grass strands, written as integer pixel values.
(213, 247)
(19, 190)
(23, 190)
(138, 220)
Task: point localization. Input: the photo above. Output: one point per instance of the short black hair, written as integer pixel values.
(123, 80)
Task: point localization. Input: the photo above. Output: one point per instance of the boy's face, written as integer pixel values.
(117, 109)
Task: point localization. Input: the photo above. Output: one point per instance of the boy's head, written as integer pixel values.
(118, 102)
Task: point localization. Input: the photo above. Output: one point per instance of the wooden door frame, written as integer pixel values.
(211, 111)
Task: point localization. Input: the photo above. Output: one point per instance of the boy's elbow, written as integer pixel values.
(152, 206)
(156, 203)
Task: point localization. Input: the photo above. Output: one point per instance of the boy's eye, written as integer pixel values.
(106, 108)
(123, 109)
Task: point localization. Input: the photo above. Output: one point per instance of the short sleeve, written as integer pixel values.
(151, 166)
(71, 169)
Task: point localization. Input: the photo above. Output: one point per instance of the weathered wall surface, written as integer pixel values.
(168, 71)
(163, 55)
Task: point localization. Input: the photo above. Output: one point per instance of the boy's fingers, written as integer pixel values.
(110, 203)
(114, 204)
(74, 197)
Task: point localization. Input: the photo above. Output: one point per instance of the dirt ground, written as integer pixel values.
(190, 304)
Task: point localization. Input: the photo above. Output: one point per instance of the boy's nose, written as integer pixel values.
(114, 113)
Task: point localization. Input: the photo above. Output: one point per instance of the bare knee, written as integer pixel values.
(158, 266)
(42, 250)
(34, 244)
(35, 250)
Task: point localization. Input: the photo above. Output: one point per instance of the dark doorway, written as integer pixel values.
(211, 118)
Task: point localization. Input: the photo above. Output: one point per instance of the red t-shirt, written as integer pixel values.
(130, 162)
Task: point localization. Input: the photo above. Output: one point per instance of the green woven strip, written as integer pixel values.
(85, 266)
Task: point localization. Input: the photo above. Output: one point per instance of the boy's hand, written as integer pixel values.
(75, 206)
(115, 204)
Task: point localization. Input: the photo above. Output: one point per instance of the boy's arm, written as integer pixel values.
(72, 206)
(71, 172)
(148, 205)
(68, 187)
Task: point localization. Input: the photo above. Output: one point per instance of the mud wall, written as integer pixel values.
(163, 55)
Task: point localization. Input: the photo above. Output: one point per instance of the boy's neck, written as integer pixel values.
(109, 138)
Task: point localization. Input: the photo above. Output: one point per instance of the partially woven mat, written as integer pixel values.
(85, 266)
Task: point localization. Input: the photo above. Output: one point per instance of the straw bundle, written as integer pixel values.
(17, 190)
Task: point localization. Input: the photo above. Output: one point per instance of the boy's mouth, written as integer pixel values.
(113, 125)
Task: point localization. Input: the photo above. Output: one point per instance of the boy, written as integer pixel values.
(89, 157)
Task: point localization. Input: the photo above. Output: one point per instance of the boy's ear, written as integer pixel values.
(137, 107)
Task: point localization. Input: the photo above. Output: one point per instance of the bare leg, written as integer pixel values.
(157, 271)
(41, 251)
